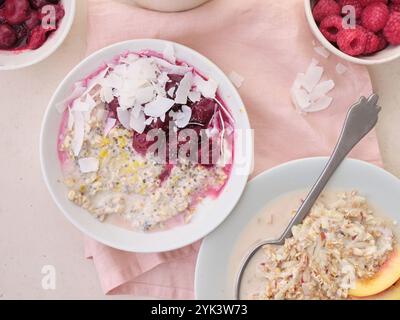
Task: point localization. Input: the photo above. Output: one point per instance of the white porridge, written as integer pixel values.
(340, 241)
(116, 143)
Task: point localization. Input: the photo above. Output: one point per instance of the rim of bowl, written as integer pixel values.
(85, 230)
(60, 39)
(329, 46)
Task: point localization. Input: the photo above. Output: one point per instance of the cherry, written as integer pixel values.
(140, 143)
(33, 20)
(37, 37)
(112, 108)
(8, 36)
(21, 32)
(203, 110)
(174, 80)
(37, 4)
(16, 11)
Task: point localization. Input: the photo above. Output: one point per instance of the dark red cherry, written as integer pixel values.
(16, 11)
(203, 110)
(140, 143)
(37, 4)
(33, 20)
(8, 36)
(37, 37)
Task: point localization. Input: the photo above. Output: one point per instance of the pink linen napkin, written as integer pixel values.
(267, 42)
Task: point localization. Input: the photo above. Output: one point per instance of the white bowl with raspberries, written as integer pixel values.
(360, 31)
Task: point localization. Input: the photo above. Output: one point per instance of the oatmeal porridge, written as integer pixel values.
(144, 140)
(342, 240)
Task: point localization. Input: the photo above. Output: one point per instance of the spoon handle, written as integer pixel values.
(361, 119)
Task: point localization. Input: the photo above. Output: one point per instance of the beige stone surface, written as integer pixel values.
(32, 231)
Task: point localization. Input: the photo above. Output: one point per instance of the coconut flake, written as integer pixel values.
(321, 89)
(137, 122)
(322, 52)
(158, 107)
(79, 132)
(312, 76)
(136, 110)
(208, 88)
(319, 105)
(87, 165)
(77, 92)
(172, 68)
(145, 95)
(124, 117)
(300, 98)
(129, 59)
(194, 96)
(341, 68)
(169, 53)
(181, 94)
(185, 116)
(110, 123)
(236, 79)
(106, 94)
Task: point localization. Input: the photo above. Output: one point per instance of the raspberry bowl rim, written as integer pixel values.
(11, 60)
(386, 55)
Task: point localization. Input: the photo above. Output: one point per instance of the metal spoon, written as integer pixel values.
(361, 119)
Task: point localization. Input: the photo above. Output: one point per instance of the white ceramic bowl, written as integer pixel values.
(388, 54)
(208, 215)
(10, 60)
(214, 278)
(169, 5)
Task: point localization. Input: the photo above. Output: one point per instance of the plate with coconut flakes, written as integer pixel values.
(146, 146)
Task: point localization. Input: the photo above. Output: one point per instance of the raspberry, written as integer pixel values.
(382, 42)
(330, 27)
(354, 3)
(375, 16)
(392, 29)
(325, 8)
(394, 7)
(365, 3)
(373, 43)
(352, 41)
(8, 36)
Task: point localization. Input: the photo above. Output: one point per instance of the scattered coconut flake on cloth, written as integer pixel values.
(340, 68)
(308, 92)
(322, 52)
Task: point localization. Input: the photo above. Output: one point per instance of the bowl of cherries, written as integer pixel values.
(31, 30)
(360, 31)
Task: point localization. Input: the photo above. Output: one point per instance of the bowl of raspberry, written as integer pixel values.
(31, 30)
(360, 31)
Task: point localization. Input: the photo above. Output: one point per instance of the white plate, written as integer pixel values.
(208, 215)
(381, 189)
(11, 61)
